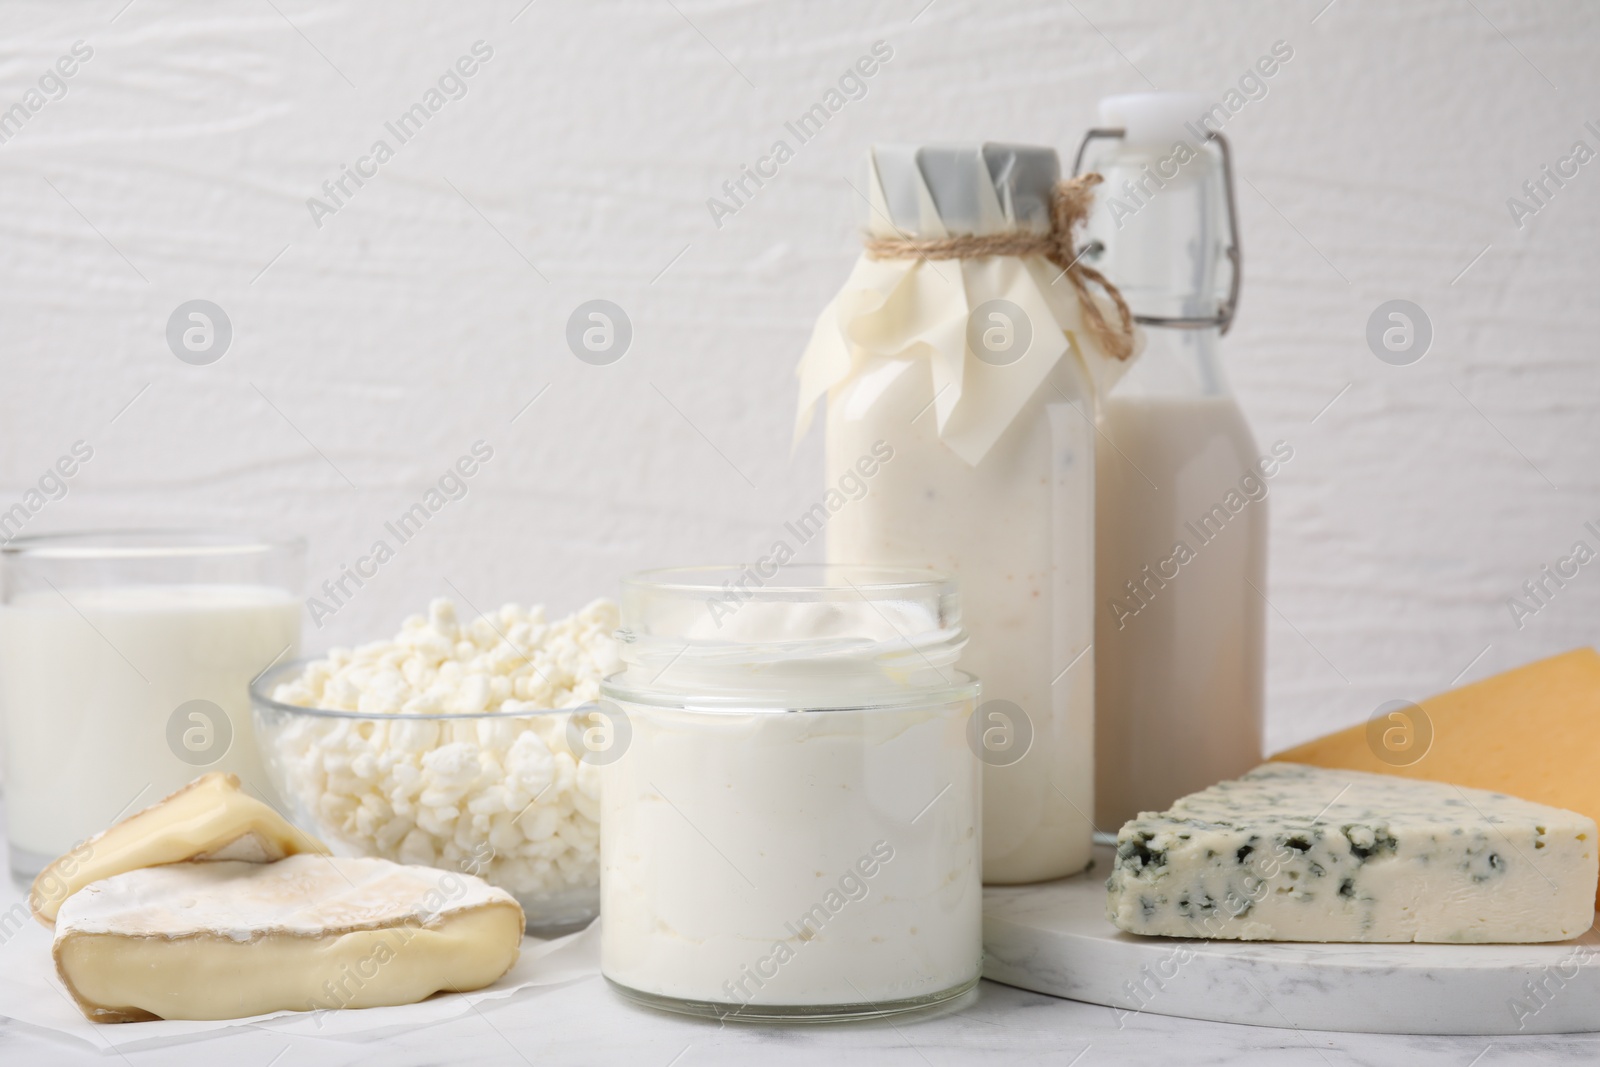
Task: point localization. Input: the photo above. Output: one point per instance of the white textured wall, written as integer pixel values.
(430, 309)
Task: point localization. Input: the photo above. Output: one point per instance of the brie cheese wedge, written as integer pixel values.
(227, 939)
(211, 818)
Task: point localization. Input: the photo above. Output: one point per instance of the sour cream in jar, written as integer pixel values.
(791, 796)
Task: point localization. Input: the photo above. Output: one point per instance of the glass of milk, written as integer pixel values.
(125, 664)
(790, 794)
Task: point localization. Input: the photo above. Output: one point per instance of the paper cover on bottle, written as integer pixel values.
(919, 308)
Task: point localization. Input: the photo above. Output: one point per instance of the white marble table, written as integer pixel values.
(584, 1022)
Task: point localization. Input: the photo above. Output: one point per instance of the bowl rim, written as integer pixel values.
(261, 688)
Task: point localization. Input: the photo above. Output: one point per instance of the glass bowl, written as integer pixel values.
(501, 795)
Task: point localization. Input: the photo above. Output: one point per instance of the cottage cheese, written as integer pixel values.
(502, 798)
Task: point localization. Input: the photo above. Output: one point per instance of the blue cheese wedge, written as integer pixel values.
(1296, 853)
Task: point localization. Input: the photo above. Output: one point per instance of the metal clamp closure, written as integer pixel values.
(1235, 253)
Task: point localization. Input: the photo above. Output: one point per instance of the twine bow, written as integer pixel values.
(1069, 206)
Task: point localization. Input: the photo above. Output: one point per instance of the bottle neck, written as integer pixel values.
(1162, 229)
(1178, 363)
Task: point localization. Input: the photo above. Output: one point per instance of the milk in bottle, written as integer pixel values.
(1181, 530)
(968, 383)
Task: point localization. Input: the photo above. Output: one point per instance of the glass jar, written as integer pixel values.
(1181, 538)
(125, 666)
(790, 794)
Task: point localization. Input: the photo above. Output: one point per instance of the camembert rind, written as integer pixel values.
(228, 939)
(1296, 853)
(211, 818)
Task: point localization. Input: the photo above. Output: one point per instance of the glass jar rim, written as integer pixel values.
(957, 686)
(871, 580)
(788, 636)
(839, 605)
(147, 543)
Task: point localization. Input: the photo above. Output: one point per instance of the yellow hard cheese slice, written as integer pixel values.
(227, 940)
(1533, 732)
(211, 818)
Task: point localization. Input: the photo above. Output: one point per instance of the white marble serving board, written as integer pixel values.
(1054, 938)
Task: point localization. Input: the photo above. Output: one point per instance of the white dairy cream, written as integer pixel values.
(775, 859)
(90, 680)
(793, 824)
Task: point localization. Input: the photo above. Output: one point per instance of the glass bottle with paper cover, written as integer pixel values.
(968, 352)
(1181, 486)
